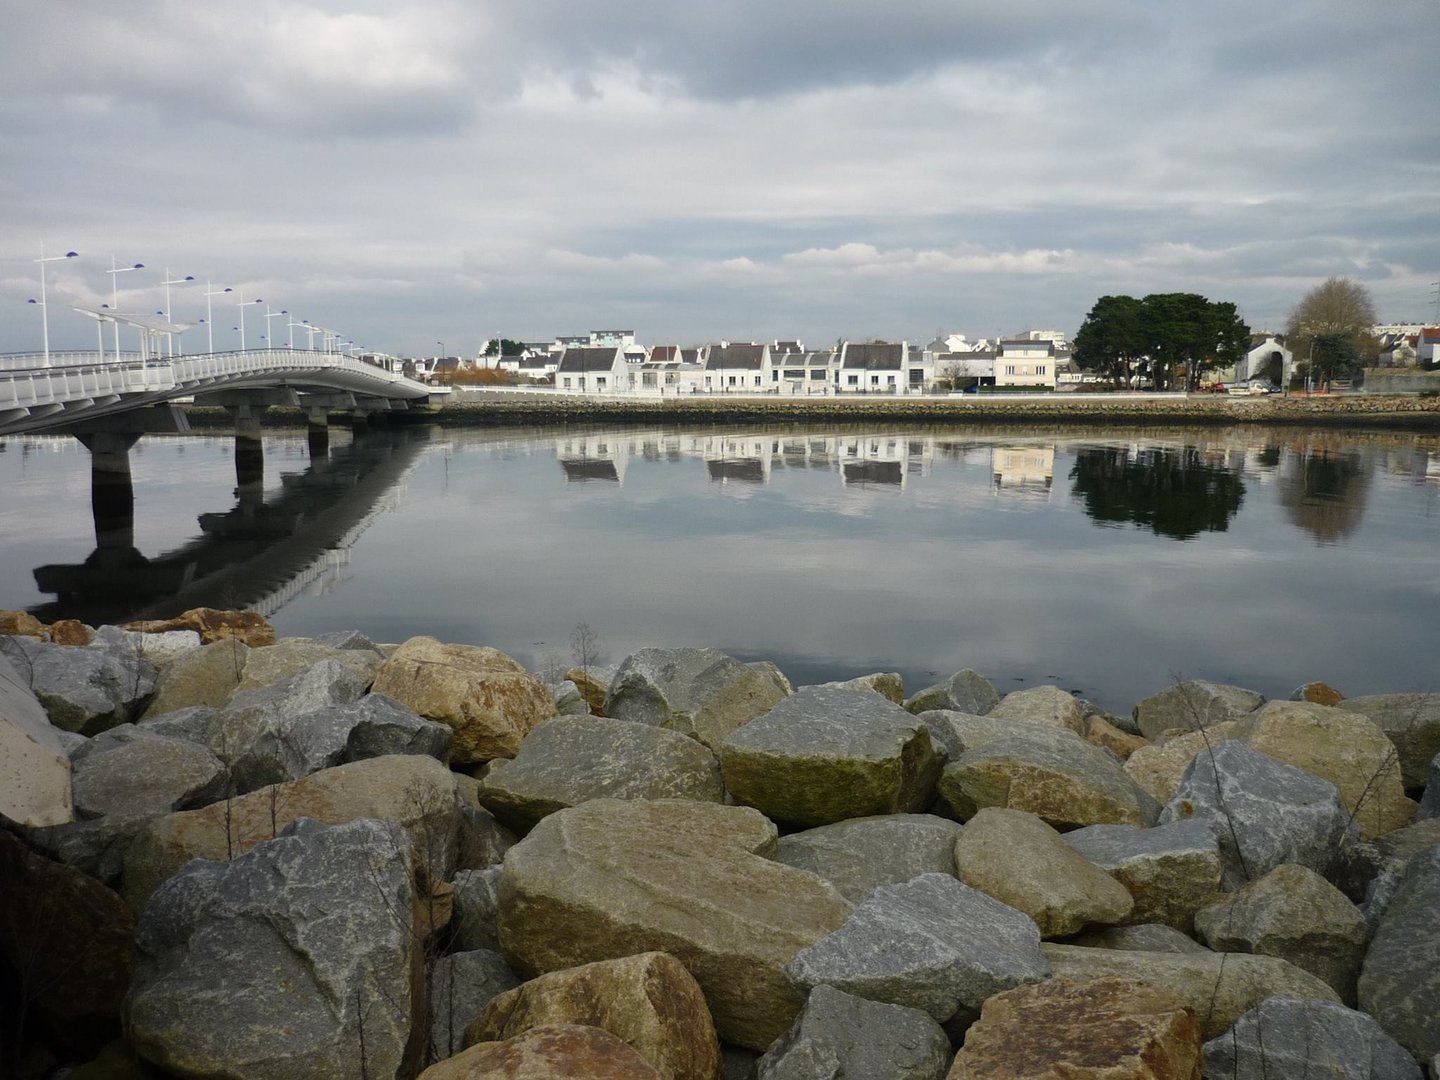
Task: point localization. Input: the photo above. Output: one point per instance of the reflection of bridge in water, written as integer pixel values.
(260, 554)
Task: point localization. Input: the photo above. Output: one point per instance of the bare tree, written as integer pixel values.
(1337, 306)
(584, 646)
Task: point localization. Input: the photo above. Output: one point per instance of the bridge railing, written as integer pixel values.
(44, 386)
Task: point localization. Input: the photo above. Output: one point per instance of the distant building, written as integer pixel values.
(595, 370)
(1025, 362)
(737, 368)
(872, 367)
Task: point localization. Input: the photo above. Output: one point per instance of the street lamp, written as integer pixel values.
(115, 294)
(44, 307)
(241, 304)
(290, 327)
(269, 337)
(167, 283)
(210, 315)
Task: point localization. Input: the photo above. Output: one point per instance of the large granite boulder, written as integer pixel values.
(158, 649)
(1082, 1029)
(1101, 732)
(68, 942)
(490, 701)
(206, 676)
(1047, 705)
(1016, 858)
(1263, 812)
(1295, 914)
(1218, 986)
(966, 691)
(859, 855)
(957, 732)
(558, 1052)
(475, 901)
(212, 624)
(87, 689)
(1412, 722)
(34, 764)
(414, 794)
(483, 841)
(702, 693)
(648, 1000)
(840, 1035)
(289, 656)
(888, 684)
(1284, 1037)
(1142, 937)
(1400, 981)
(610, 878)
(572, 759)
(1171, 871)
(1193, 705)
(822, 755)
(1159, 766)
(130, 770)
(1346, 748)
(296, 959)
(932, 944)
(459, 987)
(1059, 777)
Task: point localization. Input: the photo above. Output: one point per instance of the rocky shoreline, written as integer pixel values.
(227, 855)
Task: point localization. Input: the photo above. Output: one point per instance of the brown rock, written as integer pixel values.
(1317, 693)
(592, 688)
(1082, 1029)
(213, 625)
(488, 698)
(649, 1000)
(1016, 858)
(558, 1052)
(1047, 705)
(1100, 732)
(69, 632)
(69, 940)
(1158, 766)
(205, 676)
(21, 624)
(418, 793)
(609, 879)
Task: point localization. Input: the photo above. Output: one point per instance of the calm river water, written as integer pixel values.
(1109, 562)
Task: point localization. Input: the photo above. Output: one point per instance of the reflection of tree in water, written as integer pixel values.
(1324, 493)
(1174, 493)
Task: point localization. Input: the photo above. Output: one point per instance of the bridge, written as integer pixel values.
(56, 391)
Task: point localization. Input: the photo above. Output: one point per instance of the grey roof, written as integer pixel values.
(582, 360)
(874, 355)
(736, 357)
(1026, 343)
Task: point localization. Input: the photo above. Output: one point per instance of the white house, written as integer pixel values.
(1259, 362)
(592, 370)
(872, 367)
(739, 369)
(1025, 363)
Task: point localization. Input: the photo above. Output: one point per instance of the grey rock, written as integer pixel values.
(1263, 812)
(1412, 721)
(958, 732)
(859, 855)
(1146, 937)
(348, 639)
(259, 734)
(888, 684)
(1295, 914)
(823, 755)
(85, 689)
(1060, 777)
(460, 986)
(206, 676)
(840, 1035)
(191, 724)
(1047, 705)
(1293, 1037)
(1430, 801)
(771, 671)
(269, 664)
(932, 944)
(1190, 706)
(475, 902)
(482, 840)
(159, 649)
(698, 692)
(966, 691)
(96, 847)
(269, 965)
(568, 699)
(70, 741)
(1171, 870)
(1373, 869)
(739, 1062)
(128, 770)
(1400, 981)
(572, 759)
(380, 726)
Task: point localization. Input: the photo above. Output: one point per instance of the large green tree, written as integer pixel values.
(1334, 356)
(504, 346)
(1111, 338)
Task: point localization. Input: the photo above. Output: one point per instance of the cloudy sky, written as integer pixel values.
(445, 170)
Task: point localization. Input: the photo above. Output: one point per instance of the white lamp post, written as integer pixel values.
(44, 307)
(269, 337)
(210, 315)
(242, 305)
(115, 294)
(167, 283)
(290, 327)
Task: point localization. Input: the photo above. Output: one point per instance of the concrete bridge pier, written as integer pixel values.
(112, 491)
(317, 432)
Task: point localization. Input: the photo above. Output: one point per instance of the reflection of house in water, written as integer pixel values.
(594, 457)
(744, 459)
(882, 460)
(1023, 470)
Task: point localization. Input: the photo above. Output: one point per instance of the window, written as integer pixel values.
(1039, 369)
(1009, 369)
(818, 375)
(890, 379)
(600, 382)
(853, 380)
(757, 380)
(567, 382)
(774, 375)
(732, 380)
(874, 380)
